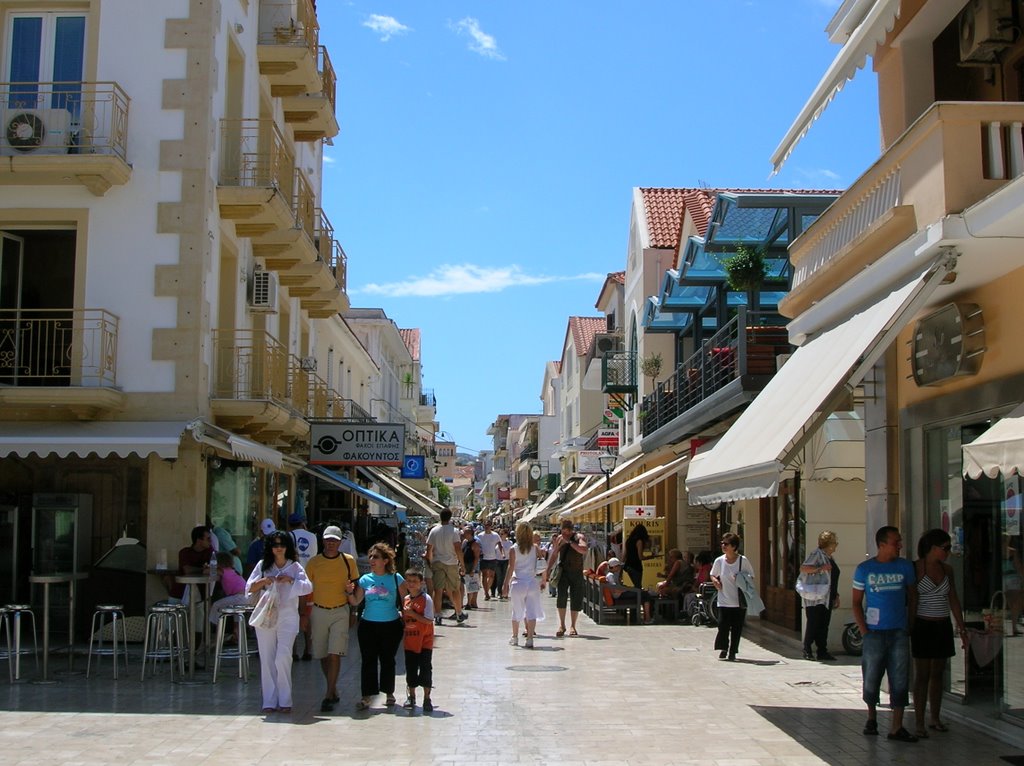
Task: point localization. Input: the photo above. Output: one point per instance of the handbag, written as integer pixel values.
(814, 587)
(265, 614)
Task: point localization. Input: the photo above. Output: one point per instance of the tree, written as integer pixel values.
(444, 494)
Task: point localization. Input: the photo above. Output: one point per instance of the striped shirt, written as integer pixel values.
(932, 598)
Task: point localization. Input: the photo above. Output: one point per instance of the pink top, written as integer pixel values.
(231, 582)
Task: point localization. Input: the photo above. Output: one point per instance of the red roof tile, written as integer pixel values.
(411, 339)
(583, 331)
(618, 276)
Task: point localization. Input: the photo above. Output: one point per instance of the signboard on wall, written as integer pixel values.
(357, 443)
(588, 461)
(638, 511)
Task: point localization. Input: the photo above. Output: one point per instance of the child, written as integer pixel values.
(229, 592)
(418, 613)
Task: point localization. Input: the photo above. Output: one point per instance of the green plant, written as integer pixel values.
(746, 270)
(408, 380)
(650, 365)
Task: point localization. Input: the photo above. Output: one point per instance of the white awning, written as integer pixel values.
(594, 482)
(1000, 450)
(837, 449)
(563, 492)
(878, 19)
(246, 449)
(417, 502)
(628, 487)
(748, 460)
(100, 438)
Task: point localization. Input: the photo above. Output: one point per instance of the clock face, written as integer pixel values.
(939, 345)
(534, 471)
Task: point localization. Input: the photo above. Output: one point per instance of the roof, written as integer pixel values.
(584, 329)
(411, 339)
(618, 276)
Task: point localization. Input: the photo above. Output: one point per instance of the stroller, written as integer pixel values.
(704, 607)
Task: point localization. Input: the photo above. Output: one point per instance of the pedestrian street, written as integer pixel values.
(614, 695)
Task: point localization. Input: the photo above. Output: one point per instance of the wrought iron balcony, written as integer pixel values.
(618, 372)
(58, 347)
(251, 365)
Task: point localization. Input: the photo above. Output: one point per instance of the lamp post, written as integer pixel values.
(607, 463)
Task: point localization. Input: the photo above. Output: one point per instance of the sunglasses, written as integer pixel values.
(278, 545)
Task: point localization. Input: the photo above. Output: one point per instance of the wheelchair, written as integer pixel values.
(704, 609)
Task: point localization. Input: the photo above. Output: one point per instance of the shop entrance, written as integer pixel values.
(983, 518)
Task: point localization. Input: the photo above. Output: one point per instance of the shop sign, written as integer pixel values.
(357, 444)
(639, 511)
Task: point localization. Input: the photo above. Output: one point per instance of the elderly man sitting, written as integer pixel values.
(614, 579)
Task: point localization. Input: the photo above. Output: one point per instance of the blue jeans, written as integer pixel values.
(886, 652)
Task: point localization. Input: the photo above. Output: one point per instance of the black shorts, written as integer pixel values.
(931, 639)
(488, 565)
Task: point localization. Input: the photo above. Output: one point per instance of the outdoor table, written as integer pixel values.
(196, 580)
(69, 578)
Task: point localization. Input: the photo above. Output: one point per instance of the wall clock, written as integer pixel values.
(948, 343)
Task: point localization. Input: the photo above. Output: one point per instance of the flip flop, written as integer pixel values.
(572, 632)
(902, 735)
(560, 632)
(363, 705)
(940, 726)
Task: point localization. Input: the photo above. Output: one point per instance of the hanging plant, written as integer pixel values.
(746, 270)
(650, 365)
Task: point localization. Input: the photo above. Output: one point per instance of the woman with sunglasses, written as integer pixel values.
(931, 633)
(281, 570)
(381, 626)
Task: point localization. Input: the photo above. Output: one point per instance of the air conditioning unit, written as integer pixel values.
(263, 294)
(35, 131)
(308, 364)
(986, 27)
(604, 343)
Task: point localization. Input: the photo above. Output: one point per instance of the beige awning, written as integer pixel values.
(1000, 450)
(639, 483)
(549, 502)
(747, 462)
(418, 503)
(594, 482)
(837, 449)
(101, 438)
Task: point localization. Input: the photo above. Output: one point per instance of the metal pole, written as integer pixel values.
(607, 515)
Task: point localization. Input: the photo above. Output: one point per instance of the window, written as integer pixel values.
(47, 47)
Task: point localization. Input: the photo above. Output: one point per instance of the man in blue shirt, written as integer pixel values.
(883, 592)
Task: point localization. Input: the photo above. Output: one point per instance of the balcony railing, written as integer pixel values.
(327, 77)
(742, 349)
(339, 265)
(58, 347)
(427, 399)
(289, 22)
(618, 372)
(304, 203)
(254, 154)
(76, 118)
(323, 235)
(954, 155)
(250, 364)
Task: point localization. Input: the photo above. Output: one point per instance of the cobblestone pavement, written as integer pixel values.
(635, 695)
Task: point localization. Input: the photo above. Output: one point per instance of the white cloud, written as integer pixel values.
(481, 42)
(467, 278)
(385, 26)
(329, 160)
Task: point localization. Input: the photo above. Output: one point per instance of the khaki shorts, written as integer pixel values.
(329, 628)
(446, 577)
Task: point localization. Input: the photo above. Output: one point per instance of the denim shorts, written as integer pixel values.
(886, 652)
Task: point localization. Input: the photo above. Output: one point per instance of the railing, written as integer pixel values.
(323, 235)
(58, 347)
(618, 372)
(289, 22)
(327, 77)
(304, 203)
(250, 364)
(427, 399)
(743, 347)
(255, 154)
(339, 265)
(65, 118)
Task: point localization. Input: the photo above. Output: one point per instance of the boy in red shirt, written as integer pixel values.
(418, 613)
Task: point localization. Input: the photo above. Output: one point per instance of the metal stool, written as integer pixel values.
(10, 620)
(99, 620)
(163, 639)
(181, 615)
(241, 651)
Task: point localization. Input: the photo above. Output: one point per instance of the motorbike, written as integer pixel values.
(853, 641)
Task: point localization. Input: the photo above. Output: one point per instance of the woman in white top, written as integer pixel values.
(281, 570)
(522, 585)
(731, 612)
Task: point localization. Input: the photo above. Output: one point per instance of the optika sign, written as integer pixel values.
(357, 444)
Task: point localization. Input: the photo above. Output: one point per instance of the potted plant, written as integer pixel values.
(747, 270)
(650, 365)
(408, 381)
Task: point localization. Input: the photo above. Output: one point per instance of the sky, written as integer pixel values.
(482, 180)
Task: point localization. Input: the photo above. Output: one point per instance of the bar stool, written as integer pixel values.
(163, 639)
(181, 615)
(241, 652)
(10, 620)
(115, 612)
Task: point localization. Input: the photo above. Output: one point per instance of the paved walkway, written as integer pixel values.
(635, 695)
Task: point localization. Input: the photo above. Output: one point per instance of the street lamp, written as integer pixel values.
(607, 462)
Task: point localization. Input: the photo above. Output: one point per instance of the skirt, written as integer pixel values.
(931, 639)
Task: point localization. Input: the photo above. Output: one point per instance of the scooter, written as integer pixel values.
(853, 641)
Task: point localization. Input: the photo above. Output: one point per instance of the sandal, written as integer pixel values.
(267, 711)
(902, 735)
(363, 704)
(938, 726)
(560, 632)
(572, 632)
(390, 701)
(284, 710)
(921, 734)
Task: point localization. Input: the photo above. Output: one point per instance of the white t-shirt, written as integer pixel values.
(506, 546)
(729, 594)
(442, 538)
(489, 542)
(305, 545)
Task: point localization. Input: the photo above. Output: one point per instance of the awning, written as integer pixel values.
(748, 460)
(563, 492)
(1000, 450)
(593, 483)
(100, 438)
(628, 487)
(837, 449)
(870, 31)
(246, 449)
(417, 501)
(342, 482)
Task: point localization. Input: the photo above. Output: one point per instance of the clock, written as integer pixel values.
(947, 343)
(535, 471)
